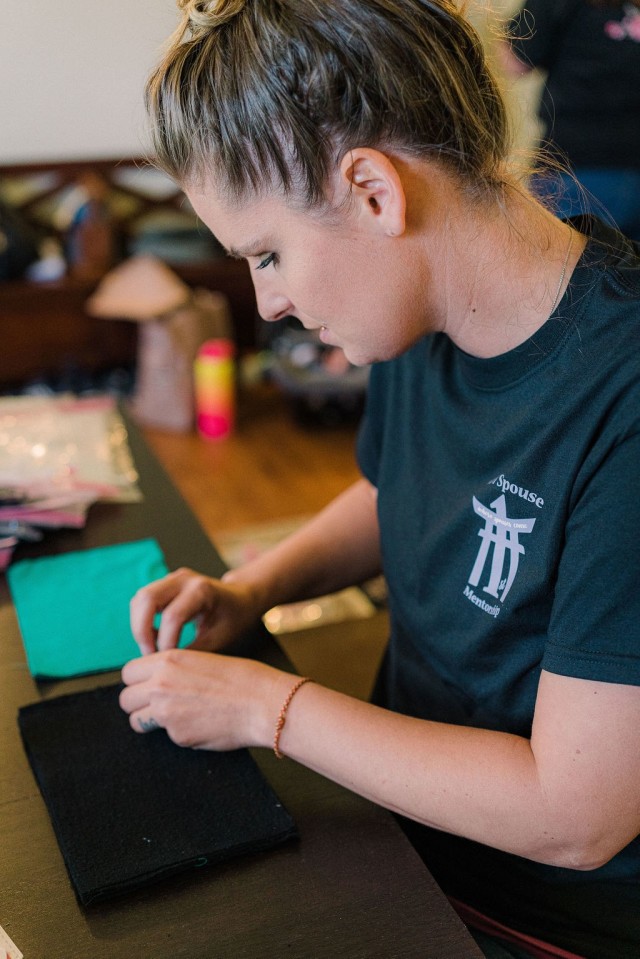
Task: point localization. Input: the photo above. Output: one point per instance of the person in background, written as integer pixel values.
(589, 51)
(355, 153)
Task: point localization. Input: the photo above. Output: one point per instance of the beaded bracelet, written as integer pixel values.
(283, 715)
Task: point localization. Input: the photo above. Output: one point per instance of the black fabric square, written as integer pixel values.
(128, 809)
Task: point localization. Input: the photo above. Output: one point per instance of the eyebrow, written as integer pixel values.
(252, 248)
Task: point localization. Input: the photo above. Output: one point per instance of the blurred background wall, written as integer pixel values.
(72, 73)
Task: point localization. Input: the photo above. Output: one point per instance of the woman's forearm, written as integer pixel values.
(337, 548)
(483, 785)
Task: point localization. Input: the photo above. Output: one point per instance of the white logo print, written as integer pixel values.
(502, 533)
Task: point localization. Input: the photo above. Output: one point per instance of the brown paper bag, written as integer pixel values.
(167, 348)
(174, 322)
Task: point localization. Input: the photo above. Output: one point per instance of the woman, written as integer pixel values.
(353, 151)
(589, 51)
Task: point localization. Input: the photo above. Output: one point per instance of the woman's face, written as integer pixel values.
(335, 274)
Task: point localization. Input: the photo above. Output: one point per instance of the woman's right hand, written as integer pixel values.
(221, 611)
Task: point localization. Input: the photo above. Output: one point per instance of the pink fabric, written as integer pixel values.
(538, 949)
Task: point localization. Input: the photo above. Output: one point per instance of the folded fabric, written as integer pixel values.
(73, 608)
(130, 808)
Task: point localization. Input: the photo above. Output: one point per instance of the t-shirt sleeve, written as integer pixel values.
(594, 631)
(536, 31)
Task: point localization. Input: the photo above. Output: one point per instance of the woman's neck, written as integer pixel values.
(507, 271)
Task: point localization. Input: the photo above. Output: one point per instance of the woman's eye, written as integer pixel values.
(268, 260)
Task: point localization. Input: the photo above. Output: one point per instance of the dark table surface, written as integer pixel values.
(352, 886)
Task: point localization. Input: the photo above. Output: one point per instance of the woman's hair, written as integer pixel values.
(270, 94)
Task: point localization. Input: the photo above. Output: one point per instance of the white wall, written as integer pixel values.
(72, 74)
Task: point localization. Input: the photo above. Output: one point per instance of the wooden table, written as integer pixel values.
(351, 888)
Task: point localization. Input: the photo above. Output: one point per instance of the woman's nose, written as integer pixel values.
(272, 303)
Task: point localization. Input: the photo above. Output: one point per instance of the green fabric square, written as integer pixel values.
(73, 609)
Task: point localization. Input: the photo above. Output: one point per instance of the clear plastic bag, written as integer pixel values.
(63, 451)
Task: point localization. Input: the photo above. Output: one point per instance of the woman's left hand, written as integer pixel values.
(204, 700)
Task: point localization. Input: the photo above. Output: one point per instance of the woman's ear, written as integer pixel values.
(376, 187)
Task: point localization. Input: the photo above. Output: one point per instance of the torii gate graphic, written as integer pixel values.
(503, 533)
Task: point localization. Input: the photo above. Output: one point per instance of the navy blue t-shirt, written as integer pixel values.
(509, 508)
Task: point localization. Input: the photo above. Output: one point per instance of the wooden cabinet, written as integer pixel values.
(45, 331)
(44, 328)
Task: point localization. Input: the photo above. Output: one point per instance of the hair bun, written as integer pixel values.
(202, 15)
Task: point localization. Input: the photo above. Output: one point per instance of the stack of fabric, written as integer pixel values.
(58, 455)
